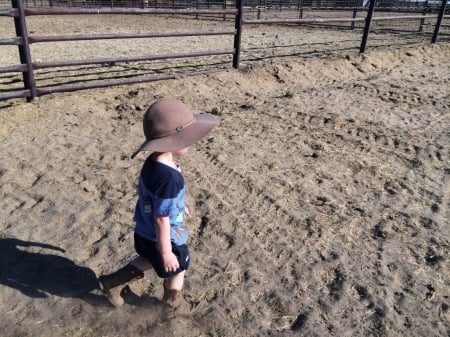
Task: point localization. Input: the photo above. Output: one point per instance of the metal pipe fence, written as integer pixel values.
(27, 66)
(20, 9)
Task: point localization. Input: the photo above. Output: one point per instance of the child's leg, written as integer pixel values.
(173, 297)
(141, 263)
(176, 282)
(113, 284)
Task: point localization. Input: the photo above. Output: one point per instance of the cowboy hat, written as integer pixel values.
(169, 125)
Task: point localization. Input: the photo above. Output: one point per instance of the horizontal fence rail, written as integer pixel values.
(321, 20)
(41, 65)
(312, 20)
(27, 66)
(133, 11)
(80, 37)
(110, 83)
(14, 69)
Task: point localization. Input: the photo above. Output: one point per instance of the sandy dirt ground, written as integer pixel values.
(320, 205)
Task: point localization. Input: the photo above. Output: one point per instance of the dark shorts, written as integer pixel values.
(149, 249)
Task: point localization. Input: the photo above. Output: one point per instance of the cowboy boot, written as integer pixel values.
(177, 305)
(113, 284)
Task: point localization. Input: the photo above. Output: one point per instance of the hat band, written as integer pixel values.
(177, 130)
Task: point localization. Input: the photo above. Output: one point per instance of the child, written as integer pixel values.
(160, 235)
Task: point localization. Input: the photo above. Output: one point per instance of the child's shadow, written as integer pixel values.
(39, 275)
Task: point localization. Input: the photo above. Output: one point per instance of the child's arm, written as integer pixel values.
(163, 234)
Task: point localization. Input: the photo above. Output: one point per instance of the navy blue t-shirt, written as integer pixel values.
(161, 192)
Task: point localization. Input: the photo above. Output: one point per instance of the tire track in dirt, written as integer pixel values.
(360, 138)
(366, 137)
(256, 199)
(363, 135)
(272, 245)
(279, 251)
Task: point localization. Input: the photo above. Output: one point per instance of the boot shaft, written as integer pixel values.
(178, 306)
(173, 298)
(120, 277)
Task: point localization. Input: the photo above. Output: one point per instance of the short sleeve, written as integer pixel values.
(163, 206)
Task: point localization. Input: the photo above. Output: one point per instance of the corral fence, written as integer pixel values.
(21, 9)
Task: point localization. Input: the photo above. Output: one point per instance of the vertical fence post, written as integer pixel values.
(224, 6)
(300, 8)
(237, 36)
(24, 49)
(367, 26)
(352, 26)
(422, 21)
(439, 21)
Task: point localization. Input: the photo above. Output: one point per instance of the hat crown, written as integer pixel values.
(165, 117)
(169, 125)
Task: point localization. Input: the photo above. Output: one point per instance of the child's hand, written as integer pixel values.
(187, 212)
(170, 262)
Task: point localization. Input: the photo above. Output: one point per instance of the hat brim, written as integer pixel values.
(203, 124)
